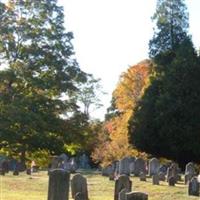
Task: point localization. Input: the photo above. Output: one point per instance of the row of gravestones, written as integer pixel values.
(59, 182)
(138, 167)
(132, 165)
(70, 164)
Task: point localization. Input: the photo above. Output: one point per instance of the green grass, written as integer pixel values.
(23, 187)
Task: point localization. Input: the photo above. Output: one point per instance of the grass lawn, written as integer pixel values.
(23, 187)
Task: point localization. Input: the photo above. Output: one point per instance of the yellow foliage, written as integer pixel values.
(129, 90)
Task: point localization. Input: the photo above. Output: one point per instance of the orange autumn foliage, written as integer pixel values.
(129, 90)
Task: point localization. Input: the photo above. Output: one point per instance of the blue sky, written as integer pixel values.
(111, 35)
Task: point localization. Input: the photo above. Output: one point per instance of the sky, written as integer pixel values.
(112, 35)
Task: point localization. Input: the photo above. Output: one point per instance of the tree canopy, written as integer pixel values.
(39, 67)
(166, 122)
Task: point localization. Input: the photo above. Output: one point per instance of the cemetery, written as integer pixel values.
(144, 145)
(146, 180)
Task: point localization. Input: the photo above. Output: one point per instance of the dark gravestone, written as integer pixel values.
(124, 167)
(122, 194)
(142, 176)
(155, 179)
(123, 182)
(79, 185)
(5, 166)
(140, 166)
(172, 171)
(193, 188)
(171, 181)
(58, 188)
(136, 196)
(161, 176)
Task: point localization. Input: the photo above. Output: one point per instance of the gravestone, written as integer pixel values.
(136, 196)
(79, 185)
(124, 167)
(155, 179)
(73, 165)
(142, 176)
(172, 171)
(84, 162)
(161, 176)
(163, 169)
(193, 188)
(122, 194)
(107, 171)
(58, 188)
(187, 178)
(189, 172)
(154, 166)
(55, 163)
(116, 168)
(171, 181)
(190, 169)
(4, 166)
(123, 182)
(140, 166)
(132, 167)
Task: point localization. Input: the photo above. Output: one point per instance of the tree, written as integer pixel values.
(165, 122)
(171, 26)
(114, 136)
(89, 95)
(39, 67)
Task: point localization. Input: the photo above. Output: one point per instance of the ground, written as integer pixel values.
(24, 187)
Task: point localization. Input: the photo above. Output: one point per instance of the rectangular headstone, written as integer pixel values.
(58, 188)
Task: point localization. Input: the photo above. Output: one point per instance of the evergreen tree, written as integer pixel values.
(39, 67)
(171, 26)
(166, 120)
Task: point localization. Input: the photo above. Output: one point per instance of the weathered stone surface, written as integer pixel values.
(172, 171)
(154, 166)
(124, 166)
(58, 188)
(79, 185)
(136, 196)
(193, 188)
(190, 169)
(122, 194)
(155, 179)
(187, 178)
(122, 182)
(140, 166)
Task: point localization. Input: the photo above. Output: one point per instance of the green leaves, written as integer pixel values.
(40, 67)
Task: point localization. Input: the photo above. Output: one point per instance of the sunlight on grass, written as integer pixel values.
(24, 187)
